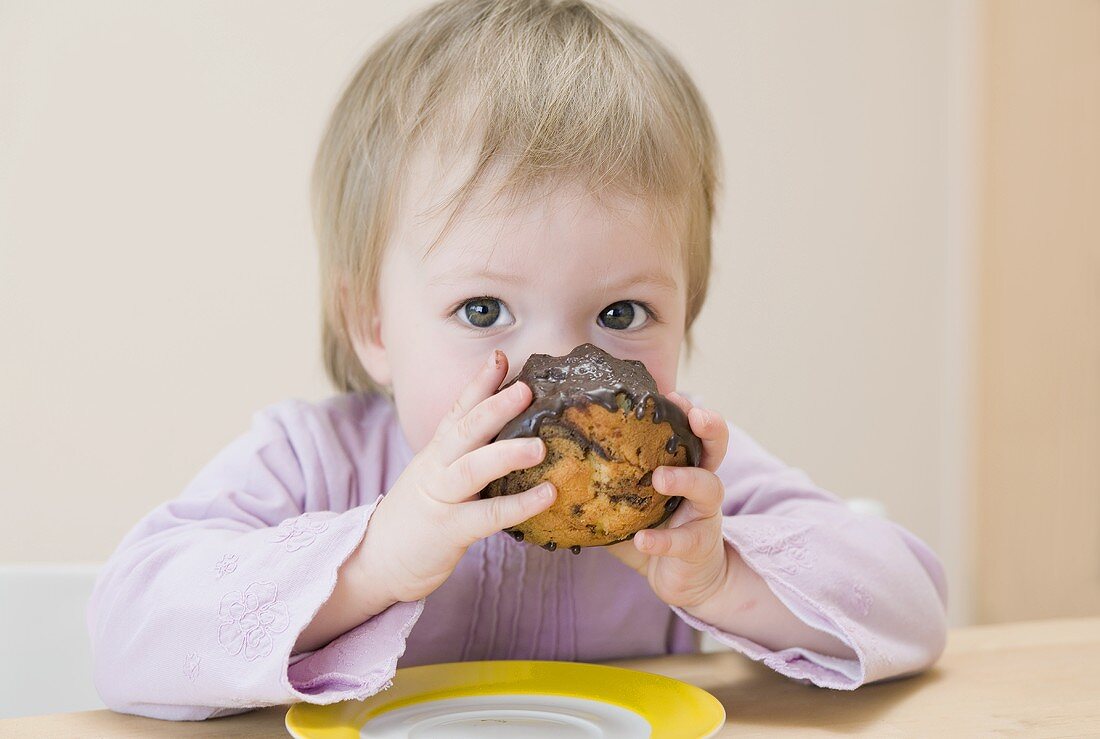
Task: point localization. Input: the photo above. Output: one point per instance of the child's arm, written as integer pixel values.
(196, 612)
(746, 606)
(201, 609)
(814, 590)
(784, 572)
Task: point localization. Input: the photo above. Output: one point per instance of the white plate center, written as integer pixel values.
(535, 716)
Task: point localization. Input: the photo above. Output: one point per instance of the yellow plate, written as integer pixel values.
(517, 698)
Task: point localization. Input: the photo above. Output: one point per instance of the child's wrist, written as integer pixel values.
(725, 600)
(369, 578)
(359, 594)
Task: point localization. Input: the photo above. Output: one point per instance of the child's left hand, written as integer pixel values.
(685, 559)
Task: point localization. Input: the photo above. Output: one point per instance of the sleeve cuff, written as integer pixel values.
(362, 661)
(359, 663)
(777, 555)
(802, 665)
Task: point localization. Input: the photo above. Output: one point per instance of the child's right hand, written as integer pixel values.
(432, 514)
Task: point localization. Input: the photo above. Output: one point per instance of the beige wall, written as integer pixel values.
(157, 276)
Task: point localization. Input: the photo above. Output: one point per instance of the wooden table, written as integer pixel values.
(1040, 678)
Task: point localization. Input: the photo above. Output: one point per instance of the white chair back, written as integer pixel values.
(45, 656)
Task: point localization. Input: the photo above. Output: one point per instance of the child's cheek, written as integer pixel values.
(431, 408)
(424, 404)
(662, 365)
(666, 380)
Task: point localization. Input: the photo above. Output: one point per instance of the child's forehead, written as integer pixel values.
(559, 213)
(567, 248)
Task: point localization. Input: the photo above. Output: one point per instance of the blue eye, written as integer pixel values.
(624, 315)
(484, 313)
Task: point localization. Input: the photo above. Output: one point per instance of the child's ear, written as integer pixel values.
(371, 351)
(366, 340)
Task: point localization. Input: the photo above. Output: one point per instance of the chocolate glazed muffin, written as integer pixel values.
(606, 429)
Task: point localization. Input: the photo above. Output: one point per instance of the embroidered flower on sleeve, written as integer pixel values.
(298, 532)
(787, 549)
(227, 564)
(191, 666)
(249, 619)
(861, 599)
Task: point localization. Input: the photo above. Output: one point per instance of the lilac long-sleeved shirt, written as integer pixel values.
(196, 613)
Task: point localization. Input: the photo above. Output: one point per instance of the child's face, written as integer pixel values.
(538, 279)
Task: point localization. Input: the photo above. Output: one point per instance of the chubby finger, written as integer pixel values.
(712, 430)
(484, 383)
(681, 402)
(482, 423)
(699, 487)
(627, 553)
(467, 475)
(478, 519)
(694, 542)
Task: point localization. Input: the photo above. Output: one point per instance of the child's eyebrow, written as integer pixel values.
(658, 280)
(451, 277)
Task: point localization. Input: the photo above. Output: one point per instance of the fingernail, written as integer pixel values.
(534, 445)
(545, 491)
(668, 476)
(494, 359)
(643, 539)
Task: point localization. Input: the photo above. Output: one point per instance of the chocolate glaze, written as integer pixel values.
(586, 375)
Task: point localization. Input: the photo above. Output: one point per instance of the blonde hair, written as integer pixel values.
(556, 89)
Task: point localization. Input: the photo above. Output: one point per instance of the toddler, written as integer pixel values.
(500, 178)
